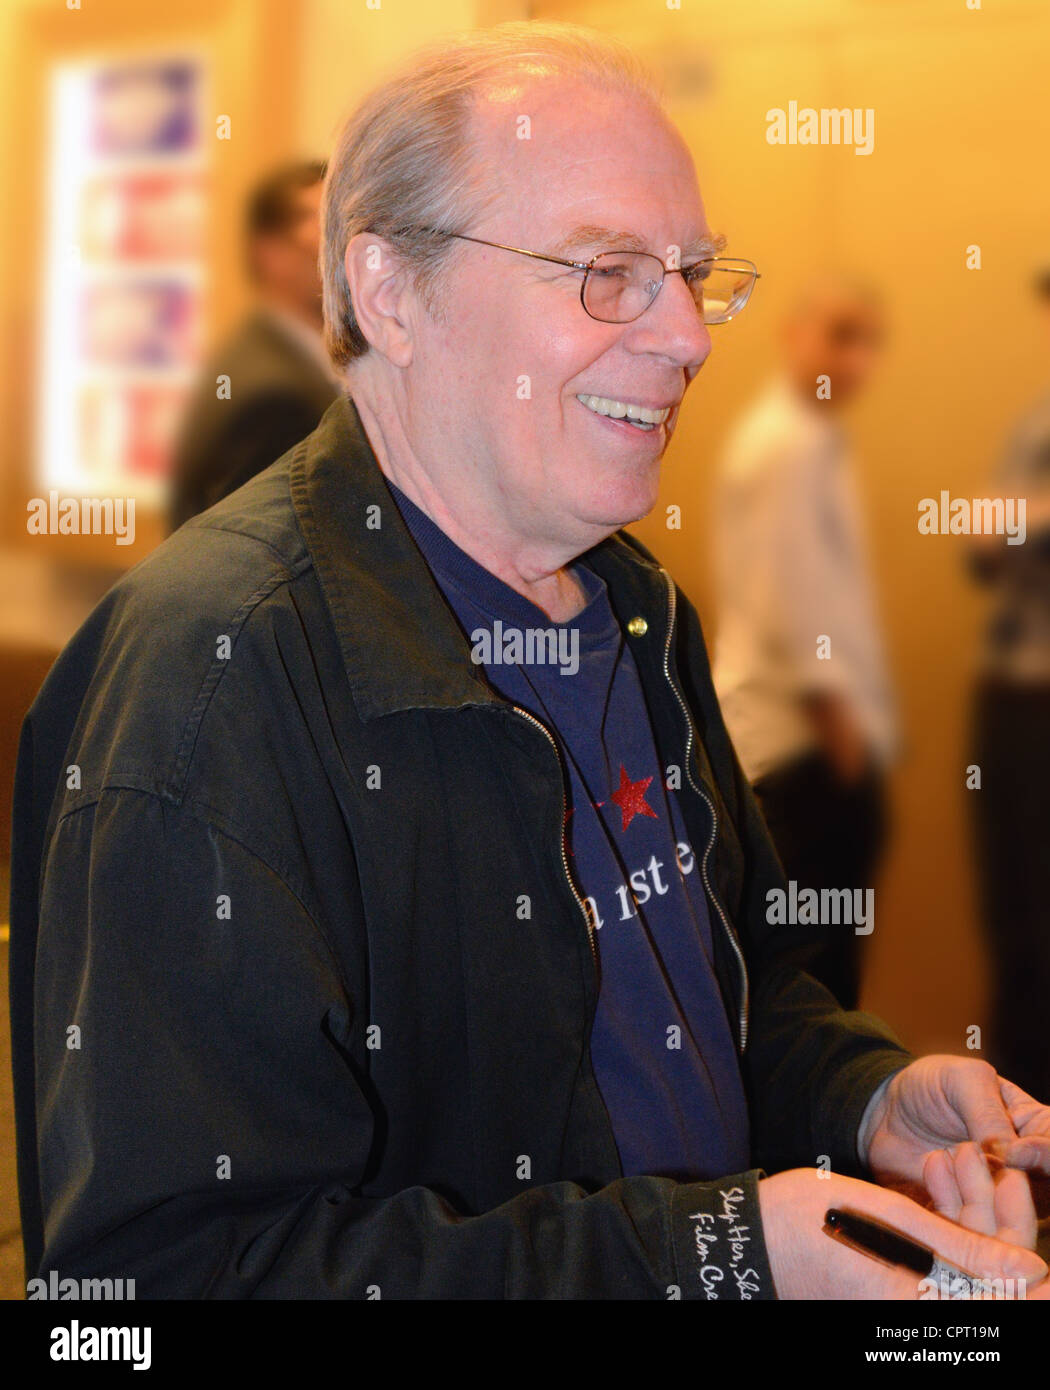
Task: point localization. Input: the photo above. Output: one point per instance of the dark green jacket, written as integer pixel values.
(279, 1027)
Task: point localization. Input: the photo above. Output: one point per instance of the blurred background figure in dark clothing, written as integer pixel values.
(280, 378)
(799, 666)
(1011, 746)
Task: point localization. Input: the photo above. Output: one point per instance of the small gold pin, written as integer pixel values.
(637, 627)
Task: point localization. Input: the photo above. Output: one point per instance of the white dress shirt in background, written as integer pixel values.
(791, 567)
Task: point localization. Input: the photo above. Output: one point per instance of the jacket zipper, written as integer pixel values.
(730, 933)
(564, 807)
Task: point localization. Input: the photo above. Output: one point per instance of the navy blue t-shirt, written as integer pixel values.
(662, 1046)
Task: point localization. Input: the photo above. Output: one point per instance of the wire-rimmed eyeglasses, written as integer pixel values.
(618, 286)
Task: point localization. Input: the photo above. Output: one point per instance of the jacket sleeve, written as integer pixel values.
(811, 1067)
(203, 1128)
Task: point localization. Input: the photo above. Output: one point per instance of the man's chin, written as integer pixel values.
(633, 499)
(610, 518)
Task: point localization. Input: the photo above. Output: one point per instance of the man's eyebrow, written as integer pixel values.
(590, 235)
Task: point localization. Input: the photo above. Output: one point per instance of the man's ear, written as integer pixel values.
(382, 296)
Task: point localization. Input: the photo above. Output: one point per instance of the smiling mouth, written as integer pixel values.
(641, 417)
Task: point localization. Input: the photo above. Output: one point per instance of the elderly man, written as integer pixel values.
(384, 947)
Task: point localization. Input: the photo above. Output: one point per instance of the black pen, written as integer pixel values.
(892, 1248)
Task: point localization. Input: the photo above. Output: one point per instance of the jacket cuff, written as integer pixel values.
(871, 1074)
(719, 1248)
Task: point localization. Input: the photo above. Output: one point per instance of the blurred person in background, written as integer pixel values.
(1011, 745)
(281, 379)
(813, 725)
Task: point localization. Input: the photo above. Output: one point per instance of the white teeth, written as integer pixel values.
(618, 410)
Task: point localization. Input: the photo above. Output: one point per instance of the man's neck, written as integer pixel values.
(534, 571)
(803, 389)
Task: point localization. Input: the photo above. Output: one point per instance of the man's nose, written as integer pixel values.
(673, 326)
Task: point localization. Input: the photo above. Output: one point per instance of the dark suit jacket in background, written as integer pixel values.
(278, 393)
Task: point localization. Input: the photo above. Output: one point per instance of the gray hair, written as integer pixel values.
(406, 166)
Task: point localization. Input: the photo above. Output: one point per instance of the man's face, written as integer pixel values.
(304, 230)
(287, 260)
(839, 335)
(496, 384)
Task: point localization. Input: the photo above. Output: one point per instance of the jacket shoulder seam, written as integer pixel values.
(191, 730)
(202, 522)
(230, 829)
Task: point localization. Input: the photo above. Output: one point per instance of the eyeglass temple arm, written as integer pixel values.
(575, 265)
(518, 250)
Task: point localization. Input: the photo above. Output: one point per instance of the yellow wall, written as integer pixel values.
(347, 47)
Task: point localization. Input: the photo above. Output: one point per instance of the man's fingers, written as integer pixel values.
(967, 1187)
(1021, 1105)
(969, 1251)
(977, 1189)
(1015, 1216)
(985, 1256)
(978, 1099)
(1031, 1153)
(938, 1177)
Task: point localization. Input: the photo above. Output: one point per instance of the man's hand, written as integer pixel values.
(839, 736)
(806, 1263)
(937, 1102)
(971, 1187)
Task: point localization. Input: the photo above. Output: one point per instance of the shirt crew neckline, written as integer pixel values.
(595, 622)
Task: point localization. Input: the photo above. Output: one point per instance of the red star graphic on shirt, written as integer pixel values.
(630, 797)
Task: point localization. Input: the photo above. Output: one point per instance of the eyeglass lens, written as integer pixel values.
(622, 284)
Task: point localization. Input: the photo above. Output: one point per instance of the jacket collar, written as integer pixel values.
(401, 645)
